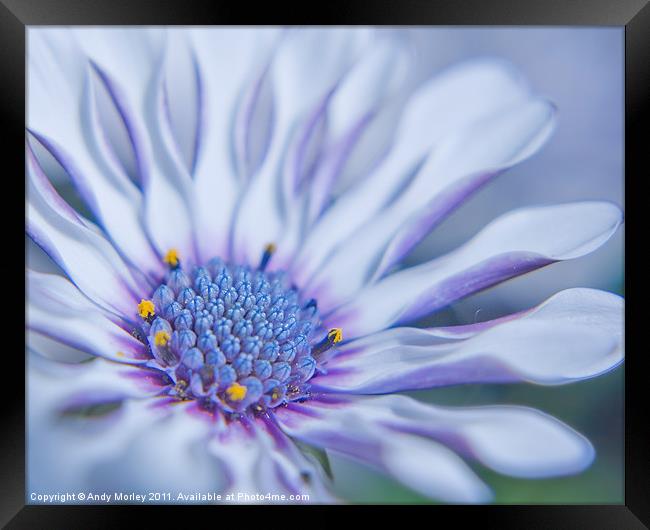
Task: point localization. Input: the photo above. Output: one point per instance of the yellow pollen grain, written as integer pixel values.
(161, 338)
(120, 354)
(172, 257)
(270, 248)
(335, 335)
(146, 308)
(236, 392)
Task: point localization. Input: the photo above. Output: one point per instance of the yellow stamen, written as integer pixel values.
(146, 308)
(236, 392)
(161, 338)
(335, 335)
(270, 248)
(172, 258)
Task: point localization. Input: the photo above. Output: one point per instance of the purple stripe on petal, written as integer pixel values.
(148, 379)
(447, 436)
(68, 166)
(575, 335)
(122, 291)
(516, 441)
(44, 183)
(442, 294)
(60, 311)
(515, 243)
(331, 165)
(430, 216)
(309, 130)
(91, 398)
(422, 464)
(468, 371)
(120, 102)
(468, 330)
(473, 280)
(243, 123)
(274, 431)
(130, 351)
(163, 402)
(299, 409)
(200, 118)
(81, 183)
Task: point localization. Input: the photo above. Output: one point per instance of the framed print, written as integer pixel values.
(379, 260)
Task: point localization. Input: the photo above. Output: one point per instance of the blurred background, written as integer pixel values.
(581, 71)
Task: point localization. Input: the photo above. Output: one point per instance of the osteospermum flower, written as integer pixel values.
(238, 290)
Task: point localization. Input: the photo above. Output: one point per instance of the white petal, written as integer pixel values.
(185, 96)
(63, 114)
(515, 243)
(53, 349)
(63, 384)
(168, 455)
(134, 65)
(139, 445)
(388, 73)
(462, 160)
(463, 163)
(350, 114)
(424, 465)
(61, 456)
(414, 462)
(230, 60)
(378, 76)
(57, 309)
(168, 190)
(574, 335)
(260, 459)
(522, 442)
(299, 83)
(90, 261)
(516, 441)
(457, 98)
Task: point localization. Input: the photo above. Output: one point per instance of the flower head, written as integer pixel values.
(253, 192)
(233, 337)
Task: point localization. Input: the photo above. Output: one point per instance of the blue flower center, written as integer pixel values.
(234, 337)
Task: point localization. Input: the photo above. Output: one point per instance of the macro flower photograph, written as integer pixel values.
(324, 265)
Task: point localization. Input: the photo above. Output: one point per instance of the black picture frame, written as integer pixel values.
(634, 15)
